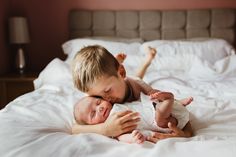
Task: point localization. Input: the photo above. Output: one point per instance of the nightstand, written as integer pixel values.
(14, 85)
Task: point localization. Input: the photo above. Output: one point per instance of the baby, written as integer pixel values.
(93, 110)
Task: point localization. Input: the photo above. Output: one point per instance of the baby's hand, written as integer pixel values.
(138, 137)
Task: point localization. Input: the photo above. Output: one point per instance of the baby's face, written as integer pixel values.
(93, 110)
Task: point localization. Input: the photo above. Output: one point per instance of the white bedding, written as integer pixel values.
(39, 123)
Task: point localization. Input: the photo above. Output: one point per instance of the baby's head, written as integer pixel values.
(91, 110)
(97, 73)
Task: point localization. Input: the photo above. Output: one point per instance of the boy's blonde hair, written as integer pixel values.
(91, 63)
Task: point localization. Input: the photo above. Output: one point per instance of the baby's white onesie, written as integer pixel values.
(147, 111)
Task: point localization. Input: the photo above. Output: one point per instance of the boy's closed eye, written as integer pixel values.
(107, 90)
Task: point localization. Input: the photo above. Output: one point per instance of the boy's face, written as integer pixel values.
(93, 110)
(110, 88)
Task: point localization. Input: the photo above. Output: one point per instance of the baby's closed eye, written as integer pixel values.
(92, 114)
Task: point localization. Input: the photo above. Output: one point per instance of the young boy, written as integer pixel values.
(92, 110)
(98, 73)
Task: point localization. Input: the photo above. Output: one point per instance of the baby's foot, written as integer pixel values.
(138, 137)
(151, 54)
(186, 101)
(120, 57)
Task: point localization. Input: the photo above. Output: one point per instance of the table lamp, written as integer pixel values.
(19, 34)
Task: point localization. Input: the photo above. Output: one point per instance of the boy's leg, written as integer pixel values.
(151, 54)
(142, 70)
(120, 57)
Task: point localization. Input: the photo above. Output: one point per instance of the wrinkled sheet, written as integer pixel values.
(39, 123)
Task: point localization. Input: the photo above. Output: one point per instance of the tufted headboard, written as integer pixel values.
(154, 24)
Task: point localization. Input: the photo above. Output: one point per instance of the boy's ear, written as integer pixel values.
(121, 71)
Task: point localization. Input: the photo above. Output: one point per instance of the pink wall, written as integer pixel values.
(48, 20)
(154, 4)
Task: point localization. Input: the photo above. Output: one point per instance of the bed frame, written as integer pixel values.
(154, 24)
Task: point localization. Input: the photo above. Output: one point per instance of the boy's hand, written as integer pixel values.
(175, 132)
(161, 96)
(120, 123)
(138, 137)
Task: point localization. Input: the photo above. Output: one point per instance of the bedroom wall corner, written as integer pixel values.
(4, 48)
(47, 22)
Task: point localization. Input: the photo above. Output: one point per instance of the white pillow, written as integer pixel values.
(209, 50)
(71, 47)
(56, 73)
(181, 63)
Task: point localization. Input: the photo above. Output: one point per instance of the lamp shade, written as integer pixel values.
(18, 29)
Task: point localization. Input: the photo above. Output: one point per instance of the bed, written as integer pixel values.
(195, 57)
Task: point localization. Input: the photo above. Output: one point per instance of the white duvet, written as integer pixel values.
(39, 123)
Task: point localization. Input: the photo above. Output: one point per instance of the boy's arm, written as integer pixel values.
(145, 88)
(118, 123)
(77, 129)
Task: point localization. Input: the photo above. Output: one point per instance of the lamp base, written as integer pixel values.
(20, 61)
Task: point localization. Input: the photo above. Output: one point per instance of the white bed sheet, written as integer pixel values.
(39, 123)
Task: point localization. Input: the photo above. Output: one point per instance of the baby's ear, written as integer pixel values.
(121, 71)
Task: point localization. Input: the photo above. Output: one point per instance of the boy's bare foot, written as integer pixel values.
(186, 101)
(151, 54)
(120, 57)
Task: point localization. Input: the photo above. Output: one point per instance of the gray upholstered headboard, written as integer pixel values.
(154, 24)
